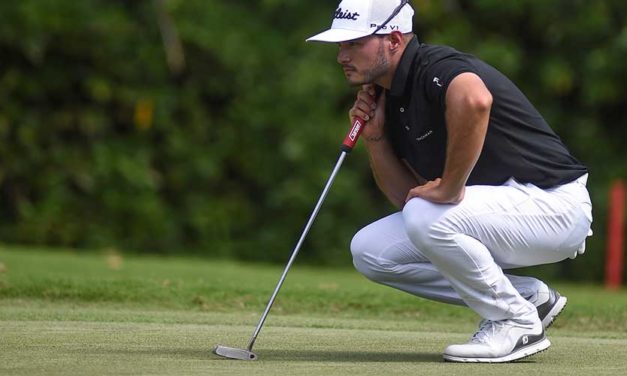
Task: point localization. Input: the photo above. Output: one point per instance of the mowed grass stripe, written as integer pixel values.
(191, 284)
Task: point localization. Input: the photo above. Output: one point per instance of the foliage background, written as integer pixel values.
(209, 127)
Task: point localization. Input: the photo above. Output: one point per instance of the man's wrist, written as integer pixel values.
(378, 138)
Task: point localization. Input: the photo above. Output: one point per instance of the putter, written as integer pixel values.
(248, 354)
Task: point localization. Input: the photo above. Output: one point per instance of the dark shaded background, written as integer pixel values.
(210, 127)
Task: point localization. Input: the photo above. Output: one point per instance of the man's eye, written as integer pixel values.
(348, 44)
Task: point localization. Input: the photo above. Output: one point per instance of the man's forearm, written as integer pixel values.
(392, 177)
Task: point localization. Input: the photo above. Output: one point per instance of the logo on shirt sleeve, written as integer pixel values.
(437, 81)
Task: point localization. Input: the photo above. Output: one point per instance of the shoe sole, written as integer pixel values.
(557, 308)
(518, 355)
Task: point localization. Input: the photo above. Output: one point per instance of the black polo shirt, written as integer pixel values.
(519, 143)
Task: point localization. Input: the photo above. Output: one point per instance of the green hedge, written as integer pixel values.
(110, 138)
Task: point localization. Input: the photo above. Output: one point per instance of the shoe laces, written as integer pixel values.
(487, 329)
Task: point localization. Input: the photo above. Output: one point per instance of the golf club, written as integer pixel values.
(248, 354)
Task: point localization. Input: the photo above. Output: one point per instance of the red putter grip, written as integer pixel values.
(353, 135)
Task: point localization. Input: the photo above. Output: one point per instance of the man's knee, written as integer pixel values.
(362, 252)
(374, 255)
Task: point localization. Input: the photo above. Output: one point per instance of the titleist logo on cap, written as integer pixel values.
(345, 14)
(354, 19)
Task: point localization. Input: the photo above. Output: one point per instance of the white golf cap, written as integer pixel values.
(355, 19)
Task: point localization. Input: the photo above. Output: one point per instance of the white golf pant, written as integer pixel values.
(456, 253)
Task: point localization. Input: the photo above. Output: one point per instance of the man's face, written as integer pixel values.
(364, 60)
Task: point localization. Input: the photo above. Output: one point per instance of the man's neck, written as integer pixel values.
(385, 81)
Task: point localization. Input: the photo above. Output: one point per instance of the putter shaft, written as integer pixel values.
(323, 195)
(349, 142)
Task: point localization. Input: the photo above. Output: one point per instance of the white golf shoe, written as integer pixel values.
(549, 304)
(500, 341)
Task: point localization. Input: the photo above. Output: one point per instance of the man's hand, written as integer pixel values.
(372, 111)
(436, 192)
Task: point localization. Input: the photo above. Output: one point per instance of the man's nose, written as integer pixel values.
(342, 56)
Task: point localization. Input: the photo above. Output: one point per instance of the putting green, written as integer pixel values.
(95, 340)
(68, 313)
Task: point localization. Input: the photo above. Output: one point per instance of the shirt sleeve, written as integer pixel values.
(439, 76)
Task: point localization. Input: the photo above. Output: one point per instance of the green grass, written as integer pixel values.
(65, 313)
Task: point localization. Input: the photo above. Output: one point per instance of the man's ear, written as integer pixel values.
(396, 40)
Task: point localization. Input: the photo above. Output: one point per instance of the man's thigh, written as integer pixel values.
(521, 225)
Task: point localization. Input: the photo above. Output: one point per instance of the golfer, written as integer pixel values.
(481, 181)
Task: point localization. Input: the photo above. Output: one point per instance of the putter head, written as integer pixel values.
(233, 353)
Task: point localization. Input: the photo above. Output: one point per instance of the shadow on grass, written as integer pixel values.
(295, 356)
(346, 356)
(283, 355)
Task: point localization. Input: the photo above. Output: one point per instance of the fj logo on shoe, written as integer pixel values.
(525, 340)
